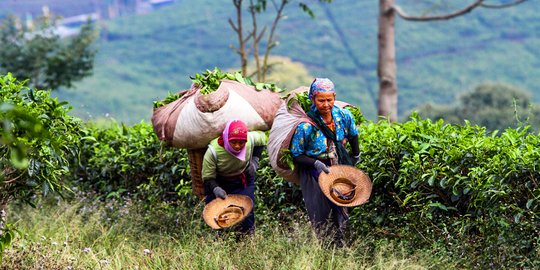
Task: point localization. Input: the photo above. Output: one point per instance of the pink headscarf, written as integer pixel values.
(235, 130)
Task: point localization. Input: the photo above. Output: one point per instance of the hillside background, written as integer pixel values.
(143, 57)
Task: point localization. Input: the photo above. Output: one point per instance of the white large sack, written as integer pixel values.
(195, 119)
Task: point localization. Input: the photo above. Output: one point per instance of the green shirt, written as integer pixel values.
(217, 161)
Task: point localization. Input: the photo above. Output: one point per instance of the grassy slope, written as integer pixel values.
(117, 235)
(144, 57)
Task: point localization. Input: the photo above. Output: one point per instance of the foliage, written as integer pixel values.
(17, 122)
(475, 193)
(210, 80)
(303, 100)
(457, 189)
(169, 98)
(7, 235)
(274, 195)
(38, 138)
(117, 159)
(42, 56)
(495, 106)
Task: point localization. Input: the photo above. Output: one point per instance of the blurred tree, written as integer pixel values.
(255, 34)
(492, 105)
(38, 54)
(284, 72)
(386, 69)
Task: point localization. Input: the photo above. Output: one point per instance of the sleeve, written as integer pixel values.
(258, 138)
(304, 160)
(209, 165)
(299, 139)
(355, 148)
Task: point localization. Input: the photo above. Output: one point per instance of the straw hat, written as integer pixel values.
(224, 213)
(345, 185)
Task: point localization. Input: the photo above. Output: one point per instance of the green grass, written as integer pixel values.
(86, 234)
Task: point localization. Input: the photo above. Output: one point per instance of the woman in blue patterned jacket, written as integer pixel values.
(314, 148)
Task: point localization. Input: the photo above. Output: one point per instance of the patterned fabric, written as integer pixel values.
(310, 141)
(235, 130)
(321, 85)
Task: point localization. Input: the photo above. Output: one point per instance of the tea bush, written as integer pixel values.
(456, 189)
(117, 159)
(456, 185)
(38, 140)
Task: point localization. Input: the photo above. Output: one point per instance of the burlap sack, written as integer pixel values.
(192, 121)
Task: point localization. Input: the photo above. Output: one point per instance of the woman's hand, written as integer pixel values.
(321, 167)
(220, 193)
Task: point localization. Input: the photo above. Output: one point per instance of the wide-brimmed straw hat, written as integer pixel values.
(345, 185)
(224, 213)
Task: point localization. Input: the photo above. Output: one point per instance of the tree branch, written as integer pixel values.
(517, 2)
(270, 42)
(467, 9)
(233, 26)
(261, 35)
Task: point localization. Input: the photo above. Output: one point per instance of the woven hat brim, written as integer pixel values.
(355, 175)
(217, 206)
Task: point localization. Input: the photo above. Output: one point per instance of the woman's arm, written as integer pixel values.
(355, 148)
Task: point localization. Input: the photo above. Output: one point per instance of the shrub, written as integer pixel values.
(117, 159)
(456, 185)
(38, 139)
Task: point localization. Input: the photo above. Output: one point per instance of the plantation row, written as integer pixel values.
(446, 187)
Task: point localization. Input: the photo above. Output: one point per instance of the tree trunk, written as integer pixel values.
(386, 70)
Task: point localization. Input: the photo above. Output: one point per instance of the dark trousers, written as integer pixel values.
(235, 186)
(328, 219)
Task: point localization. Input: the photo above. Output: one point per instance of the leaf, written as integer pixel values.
(307, 10)
(9, 237)
(438, 205)
(408, 198)
(402, 138)
(259, 86)
(442, 183)
(431, 180)
(517, 217)
(529, 203)
(239, 78)
(89, 138)
(34, 167)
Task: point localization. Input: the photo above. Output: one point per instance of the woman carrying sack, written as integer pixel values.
(314, 148)
(230, 164)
